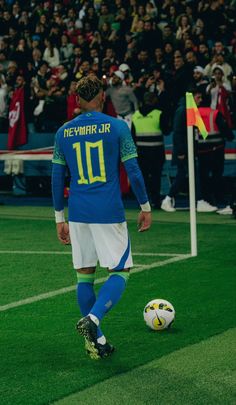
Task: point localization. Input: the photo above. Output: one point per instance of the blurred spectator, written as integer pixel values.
(91, 17)
(148, 126)
(36, 59)
(11, 74)
(105, 16)
(3, 104)
(219, 60)
(170, 36)
(150, 37)
(219, 92)
(51, 54)
(72, 104)
(84, 69)
(214, 20)
(201, 83)
(140, 65)
(211, 155)
(203, 55)
(66, 50)
(21, 55)
(181, 79)
(183, 27)
(122, 97)
(128, 78)
(180, 158)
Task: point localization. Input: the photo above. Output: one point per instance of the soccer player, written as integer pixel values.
(92, 146)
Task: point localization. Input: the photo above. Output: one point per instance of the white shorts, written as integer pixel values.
(107, 243)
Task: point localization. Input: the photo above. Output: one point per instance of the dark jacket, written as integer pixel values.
(180, 146)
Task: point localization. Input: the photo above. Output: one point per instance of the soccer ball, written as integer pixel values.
(159, 314)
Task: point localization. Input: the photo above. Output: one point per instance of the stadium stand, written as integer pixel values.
(47, 46)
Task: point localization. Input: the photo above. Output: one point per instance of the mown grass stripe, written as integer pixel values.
(65, 290)
(200, 374)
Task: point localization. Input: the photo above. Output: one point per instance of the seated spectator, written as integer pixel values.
(168, 35)
(51, 54)
(36, 59)
(150, 38)
(91, 17)
(83, 44)
(111, 55)
(184, 26)
(72, 104)
(191, 60)
(66, 50)
(171, 14)
(11, 74)
(54, 109)
(203, 54)
(140, 64)
(40, 80)
(3, 104)
(151, 10)
(105, 16)
(201, 83)
(168, 55)
(159, 61)
(84, 69)
(219, 92)
(122, 21)
(21, 55)
(23, 21)
(219, 60)
(76, 59)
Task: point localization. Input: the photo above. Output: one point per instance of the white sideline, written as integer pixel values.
(65, 290)
(47, 252)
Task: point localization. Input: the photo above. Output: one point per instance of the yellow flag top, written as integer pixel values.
(193, 115)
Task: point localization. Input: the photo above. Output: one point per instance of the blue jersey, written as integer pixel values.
(92, 146)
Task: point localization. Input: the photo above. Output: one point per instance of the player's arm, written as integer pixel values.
(128, 158)
(137, 183)
(58, 180)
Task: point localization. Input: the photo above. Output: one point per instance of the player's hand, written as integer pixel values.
(63, 233)
(144, 221)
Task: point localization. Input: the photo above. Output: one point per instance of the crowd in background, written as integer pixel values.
(165, 47)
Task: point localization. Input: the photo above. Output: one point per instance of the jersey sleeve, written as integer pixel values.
(58, 155)
(127, 146)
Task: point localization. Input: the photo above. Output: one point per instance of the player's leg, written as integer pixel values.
(85, 294)
(114, 252)
(84, 260)
(109, 294)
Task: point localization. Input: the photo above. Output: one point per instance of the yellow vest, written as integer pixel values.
(147, 128)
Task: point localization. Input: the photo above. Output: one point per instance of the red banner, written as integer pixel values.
(17, 133)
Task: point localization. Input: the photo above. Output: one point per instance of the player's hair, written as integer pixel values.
(88, 87)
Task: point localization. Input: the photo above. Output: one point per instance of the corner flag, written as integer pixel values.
(193, 115)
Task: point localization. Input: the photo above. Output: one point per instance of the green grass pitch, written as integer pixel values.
(42, 357)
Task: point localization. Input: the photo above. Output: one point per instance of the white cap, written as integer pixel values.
(119, 74)
(198, 69)
(124, 67)
(220, 68)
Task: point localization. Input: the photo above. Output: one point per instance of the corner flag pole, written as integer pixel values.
(191, 178)
(193, 119)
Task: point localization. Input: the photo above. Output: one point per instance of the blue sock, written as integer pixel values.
(86, 296)
(109, 294)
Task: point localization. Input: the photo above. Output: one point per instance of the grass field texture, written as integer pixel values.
(42, 357)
